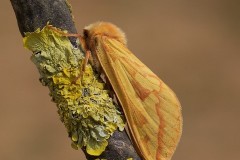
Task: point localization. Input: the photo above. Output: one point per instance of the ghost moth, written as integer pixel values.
(151, 108)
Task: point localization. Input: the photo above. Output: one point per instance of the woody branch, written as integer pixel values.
(34, 14)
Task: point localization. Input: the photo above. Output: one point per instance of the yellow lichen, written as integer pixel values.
(84, 106)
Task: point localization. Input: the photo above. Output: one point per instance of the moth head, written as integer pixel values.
(104, 29)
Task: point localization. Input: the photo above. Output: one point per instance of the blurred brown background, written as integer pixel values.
(193, 45)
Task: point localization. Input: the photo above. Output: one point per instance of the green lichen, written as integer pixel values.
(84, 106)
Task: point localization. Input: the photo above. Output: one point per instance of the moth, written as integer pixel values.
(152, 110)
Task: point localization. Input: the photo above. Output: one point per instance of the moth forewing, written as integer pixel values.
(151, 108)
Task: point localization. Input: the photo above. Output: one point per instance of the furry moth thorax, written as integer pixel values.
(104, 29)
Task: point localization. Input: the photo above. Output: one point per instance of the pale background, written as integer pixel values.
(193, 45)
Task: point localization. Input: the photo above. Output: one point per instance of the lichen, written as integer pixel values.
(83, 103)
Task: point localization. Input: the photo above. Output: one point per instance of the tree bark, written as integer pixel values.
(34, 14)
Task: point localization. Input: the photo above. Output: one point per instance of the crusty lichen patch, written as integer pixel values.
(84, 106)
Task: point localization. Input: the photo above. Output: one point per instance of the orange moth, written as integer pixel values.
(151, 108)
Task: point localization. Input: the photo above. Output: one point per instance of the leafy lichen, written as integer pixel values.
(84, 106)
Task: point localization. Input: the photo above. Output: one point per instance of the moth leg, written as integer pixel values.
(79, 36)
(83, 66)
(83, 46)
(64, 33)
(88, 57)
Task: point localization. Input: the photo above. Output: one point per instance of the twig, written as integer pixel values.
(34, 14)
